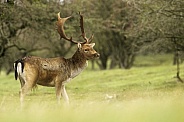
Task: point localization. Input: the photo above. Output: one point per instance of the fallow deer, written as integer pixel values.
(55, 72)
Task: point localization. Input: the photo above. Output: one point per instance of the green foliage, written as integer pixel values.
(122, 28)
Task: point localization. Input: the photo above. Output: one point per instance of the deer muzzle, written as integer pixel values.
(96, 55)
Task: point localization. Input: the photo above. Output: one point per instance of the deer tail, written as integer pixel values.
(18, 67)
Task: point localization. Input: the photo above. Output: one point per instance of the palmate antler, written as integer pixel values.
(82, 30)
(60, 29)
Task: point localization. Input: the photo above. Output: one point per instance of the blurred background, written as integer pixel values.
(123, 30)
(145, 38)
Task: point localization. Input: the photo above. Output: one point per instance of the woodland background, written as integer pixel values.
(144, 36)
(122, 29)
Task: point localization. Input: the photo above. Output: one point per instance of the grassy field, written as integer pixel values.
(149, 92)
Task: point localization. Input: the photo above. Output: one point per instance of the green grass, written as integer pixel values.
(149, 92)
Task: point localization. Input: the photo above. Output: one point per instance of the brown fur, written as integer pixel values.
(53, 72)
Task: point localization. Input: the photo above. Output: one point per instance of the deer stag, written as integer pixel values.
(55, 72)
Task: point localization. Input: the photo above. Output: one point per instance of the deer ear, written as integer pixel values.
(92, 44)
(79, 45)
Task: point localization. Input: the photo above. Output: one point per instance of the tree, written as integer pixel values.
(25, 29)
(122, 28)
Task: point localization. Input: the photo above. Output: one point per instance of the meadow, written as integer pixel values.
(148, 92)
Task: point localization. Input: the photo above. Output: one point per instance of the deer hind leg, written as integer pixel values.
(25, 88)
(22, 82)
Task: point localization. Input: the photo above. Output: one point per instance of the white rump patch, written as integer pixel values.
(21, 74)
(19, 68)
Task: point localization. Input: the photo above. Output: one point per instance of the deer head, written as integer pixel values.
(86, 47)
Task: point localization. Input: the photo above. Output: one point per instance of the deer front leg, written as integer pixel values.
(58, 93)
(60, 89)
(64, 94)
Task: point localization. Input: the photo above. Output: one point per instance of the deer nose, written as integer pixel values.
(97, 55)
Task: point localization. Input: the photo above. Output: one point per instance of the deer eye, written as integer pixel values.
(86, 50)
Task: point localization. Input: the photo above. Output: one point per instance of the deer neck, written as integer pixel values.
(78, 63)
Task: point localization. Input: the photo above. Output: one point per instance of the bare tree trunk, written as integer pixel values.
(177, 62)
(92, 64)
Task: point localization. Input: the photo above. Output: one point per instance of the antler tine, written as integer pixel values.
(82, 29)
(60, 28)
(90, 39)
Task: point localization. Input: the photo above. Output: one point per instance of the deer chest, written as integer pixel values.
(77, 71)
